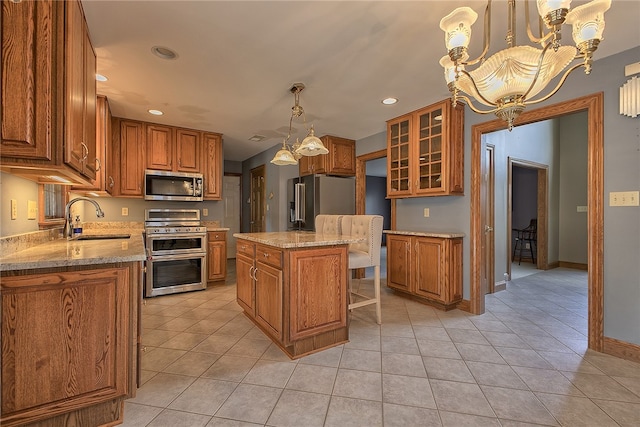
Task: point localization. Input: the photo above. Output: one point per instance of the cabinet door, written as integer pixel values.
(399, 262)
(188, 151)
(65, 345)
(89, 114)
(75, 154)
(430, 167)
(132, 158)
(29, 43)
(429, 267)
(308, 165)
(159, 147)
(341, 157)
(245, 285)
(213, 168)
(268, 288)
(398, 157)
(217, 256)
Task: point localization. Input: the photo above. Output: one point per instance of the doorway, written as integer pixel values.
(232, 191)
(258, 199)
(593, 105)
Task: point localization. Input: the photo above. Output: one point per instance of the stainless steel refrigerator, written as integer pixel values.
(312, 195)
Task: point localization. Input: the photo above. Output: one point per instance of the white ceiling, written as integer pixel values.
(238, 59)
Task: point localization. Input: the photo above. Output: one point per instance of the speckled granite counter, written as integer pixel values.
(298, 239)
(439, 234)
(64, 253)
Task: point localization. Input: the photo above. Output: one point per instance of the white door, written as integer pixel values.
(231, 197)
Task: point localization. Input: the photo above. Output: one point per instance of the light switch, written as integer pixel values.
(205, 212)
(624, 198)
(426, 212)
(581, 209)
(32, 209)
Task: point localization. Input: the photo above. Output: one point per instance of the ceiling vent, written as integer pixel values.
(257, 138)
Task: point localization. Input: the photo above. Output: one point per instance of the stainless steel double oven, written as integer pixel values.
(176, 246)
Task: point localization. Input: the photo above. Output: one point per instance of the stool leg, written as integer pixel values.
(376, 285)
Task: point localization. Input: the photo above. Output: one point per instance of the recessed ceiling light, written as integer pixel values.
(101, 78)
(164, 52)
(389, 101)
(156, 112)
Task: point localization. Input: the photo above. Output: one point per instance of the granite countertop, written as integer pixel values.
(298, 239)
(64, 253)
(440, 234)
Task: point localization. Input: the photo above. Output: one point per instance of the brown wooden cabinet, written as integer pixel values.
(340, 161)
(80, 83)
(128, 138)
(173, 149)
(428, 268)
(425, 152)
(104, 183)
(48, 92)
(216, 256)
(213, 166)
(69, 344)
(297, 296)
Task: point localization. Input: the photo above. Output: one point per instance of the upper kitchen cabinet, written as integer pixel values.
(340, 161)
(48, 92)
(80, 83)
(173, 149)
(213, 166)
(129, 161)
(104, 183)
(425, 152)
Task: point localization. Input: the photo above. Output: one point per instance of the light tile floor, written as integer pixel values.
(524, 362)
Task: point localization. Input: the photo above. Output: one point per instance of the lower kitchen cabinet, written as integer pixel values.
(428, 268)
(216, 256)
(296, 296)
(69, 345)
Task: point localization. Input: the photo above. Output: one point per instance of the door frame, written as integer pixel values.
(488, 219)
(542, 208)
(594, 106)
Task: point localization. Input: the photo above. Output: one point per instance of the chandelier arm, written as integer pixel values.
(475, 109)
(466, 73)
(532, 37)
(538, 68)
(560, 83)
(487, 36)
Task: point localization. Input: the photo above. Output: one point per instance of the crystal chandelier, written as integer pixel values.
(310, 145)
(511, 79)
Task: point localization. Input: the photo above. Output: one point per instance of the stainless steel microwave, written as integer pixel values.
(180, 186)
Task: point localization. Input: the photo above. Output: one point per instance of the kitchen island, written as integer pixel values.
(70, 329)
(294, 287)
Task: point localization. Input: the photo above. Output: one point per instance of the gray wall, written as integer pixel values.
(573, 188)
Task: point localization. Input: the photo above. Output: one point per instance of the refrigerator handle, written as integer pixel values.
(299, 202)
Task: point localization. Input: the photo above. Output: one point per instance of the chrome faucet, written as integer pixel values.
(67, 215)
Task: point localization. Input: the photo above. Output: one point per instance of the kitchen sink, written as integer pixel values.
(101, 236)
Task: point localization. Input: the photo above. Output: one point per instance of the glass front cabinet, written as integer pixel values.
(425, 151)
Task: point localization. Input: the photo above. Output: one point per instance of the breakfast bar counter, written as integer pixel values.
(294, 287)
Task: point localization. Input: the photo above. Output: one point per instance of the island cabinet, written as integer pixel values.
(426, 266)
(216, 256)
(340, 161)
(296, 295)
(69, 344)
(425, 152)
(48, 92)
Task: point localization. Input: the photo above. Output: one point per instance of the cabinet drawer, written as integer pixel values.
(245, 248)
(269, 255)
(217, 236)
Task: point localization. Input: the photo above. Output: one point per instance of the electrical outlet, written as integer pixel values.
(14, 209)
(125, 211)
(426, 212)
(205, 212)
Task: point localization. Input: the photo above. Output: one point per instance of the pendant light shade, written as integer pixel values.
(312, 145)
(284, 156)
